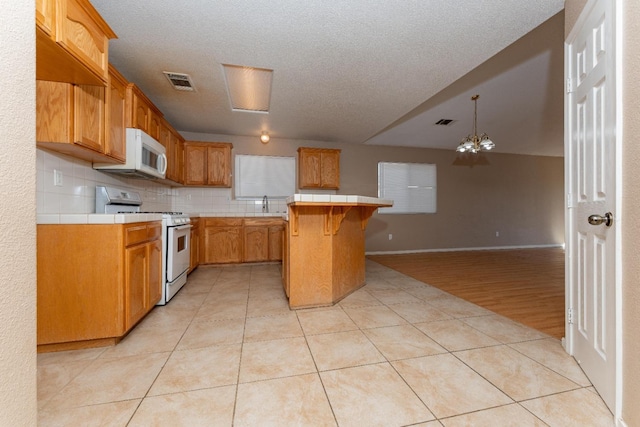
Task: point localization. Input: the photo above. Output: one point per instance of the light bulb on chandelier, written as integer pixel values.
(474, 143)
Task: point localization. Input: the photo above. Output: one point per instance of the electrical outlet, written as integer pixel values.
(57, 178)
(390, 236)
(497, 234)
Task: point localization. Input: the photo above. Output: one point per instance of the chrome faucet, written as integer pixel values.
(265, 204)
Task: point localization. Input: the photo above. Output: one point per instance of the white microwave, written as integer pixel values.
(145, 158)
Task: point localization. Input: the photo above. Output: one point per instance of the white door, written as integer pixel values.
(593, 177)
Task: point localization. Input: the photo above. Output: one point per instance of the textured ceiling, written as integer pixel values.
(347, 71)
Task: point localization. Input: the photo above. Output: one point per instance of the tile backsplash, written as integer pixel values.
(75, 193)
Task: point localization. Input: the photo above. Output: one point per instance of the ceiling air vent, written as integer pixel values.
(445, 122)
(180, 81)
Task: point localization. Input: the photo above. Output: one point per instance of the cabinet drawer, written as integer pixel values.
(262, 222)
(135, 234)
(154, 231)
(142, 232)
(223, 222)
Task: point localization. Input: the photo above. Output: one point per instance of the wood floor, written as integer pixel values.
(526, 285)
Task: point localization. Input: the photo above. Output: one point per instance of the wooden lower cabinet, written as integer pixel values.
(285, 259)
(276, 233)
(95, 282)
(143, 265)
(236, 240)
(222, 239)
(194, 258)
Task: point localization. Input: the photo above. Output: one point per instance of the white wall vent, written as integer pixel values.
(180, 81)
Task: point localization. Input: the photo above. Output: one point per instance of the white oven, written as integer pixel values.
(178, 250)
(176, 253)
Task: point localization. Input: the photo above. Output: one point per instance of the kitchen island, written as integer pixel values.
(324, 247)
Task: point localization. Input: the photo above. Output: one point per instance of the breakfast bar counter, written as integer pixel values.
(324, 247)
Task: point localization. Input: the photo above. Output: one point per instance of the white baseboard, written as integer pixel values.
(489, 248)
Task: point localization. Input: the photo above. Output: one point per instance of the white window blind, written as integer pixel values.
(411, 186)
(258, 176)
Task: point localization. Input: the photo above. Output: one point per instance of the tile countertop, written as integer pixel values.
(337, 199)
(96, 218)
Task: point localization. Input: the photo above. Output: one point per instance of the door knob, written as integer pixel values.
(607, 219)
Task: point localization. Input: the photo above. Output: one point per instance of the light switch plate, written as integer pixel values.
(57, 178)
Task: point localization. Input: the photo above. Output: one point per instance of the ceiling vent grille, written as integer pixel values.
(445, 122)
(249, 88)
(180, 81)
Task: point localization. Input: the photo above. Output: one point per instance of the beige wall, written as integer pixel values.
(521, 197)
(630, 226)
(17, 216)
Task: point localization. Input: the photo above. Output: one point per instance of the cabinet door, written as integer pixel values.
(155, 272)
(165, 140)
(222, 245)
(174, 158)
(309, 169)
(136, 284)
(285, 259)
(219, 166)
(276, 234)
(154, 125)
(195, 159)
(79, 33)
(256, 244)
(44, 15)
(89, 117)
(194, 258)
(54, 111)
(140, 113)
(330, 169)
(115, 104)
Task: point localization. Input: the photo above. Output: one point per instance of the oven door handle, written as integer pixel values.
(182, 227)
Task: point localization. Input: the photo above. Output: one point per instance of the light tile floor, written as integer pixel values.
(228, 351)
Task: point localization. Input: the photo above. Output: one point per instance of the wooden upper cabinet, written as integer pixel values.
(72, 42)
(89, 117)
(173, 144)
(195, 162)
(54, 112)
(115, 108)
(155, 121)
(83, 121)
(44, 15)
(318, 168)
(175, 155)
(142, 114)
(219, 165)
(71, 119)
(207, 163)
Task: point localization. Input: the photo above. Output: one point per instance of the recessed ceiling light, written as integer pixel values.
(180, 81)
(249, 88)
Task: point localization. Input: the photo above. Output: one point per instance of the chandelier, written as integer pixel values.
(474, 143)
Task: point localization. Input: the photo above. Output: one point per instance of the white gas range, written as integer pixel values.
(176, 235)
